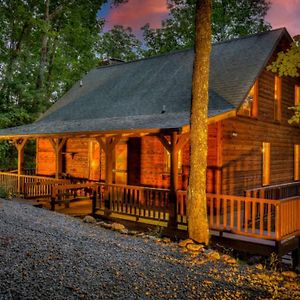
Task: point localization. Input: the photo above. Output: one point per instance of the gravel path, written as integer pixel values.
(46, 255)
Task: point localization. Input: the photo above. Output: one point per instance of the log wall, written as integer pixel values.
(242, 154)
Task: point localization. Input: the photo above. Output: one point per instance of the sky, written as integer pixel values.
(136, 13)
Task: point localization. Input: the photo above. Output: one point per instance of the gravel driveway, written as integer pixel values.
(46, 255)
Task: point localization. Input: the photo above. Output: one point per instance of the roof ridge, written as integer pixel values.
(176, 51)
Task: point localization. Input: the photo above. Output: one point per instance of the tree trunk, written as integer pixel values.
(44, 50)
(197, 212)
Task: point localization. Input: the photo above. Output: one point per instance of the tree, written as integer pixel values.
(45, 47)
(119, 43)
(230, 19)
(197, 212)
(287, 63)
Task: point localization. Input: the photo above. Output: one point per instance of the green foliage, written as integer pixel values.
(45, 47)
(119, 43)
(230, 19)
(288, 62)
(3, 193)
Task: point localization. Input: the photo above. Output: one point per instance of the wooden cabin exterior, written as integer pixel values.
(122, 139)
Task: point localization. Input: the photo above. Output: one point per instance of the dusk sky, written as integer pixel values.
(136, 13)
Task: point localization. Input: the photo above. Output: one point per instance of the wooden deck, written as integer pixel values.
(261, 221)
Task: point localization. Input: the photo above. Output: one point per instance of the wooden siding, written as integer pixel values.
(45, 158)
(242, 151)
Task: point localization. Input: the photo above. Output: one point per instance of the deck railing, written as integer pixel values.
(135, 200)
(275, 192)
(253, 217)
(30, 186)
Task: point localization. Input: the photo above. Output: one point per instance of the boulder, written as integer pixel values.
(89, 219)
(184, 243)
(117, 226)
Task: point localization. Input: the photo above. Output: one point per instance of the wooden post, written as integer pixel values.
(20, 144)
(173, 147)
(218, 185)
(108, 145)
(57, 145)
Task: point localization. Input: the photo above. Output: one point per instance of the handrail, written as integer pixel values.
(253, 217)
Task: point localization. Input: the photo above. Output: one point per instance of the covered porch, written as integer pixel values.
(265, 218)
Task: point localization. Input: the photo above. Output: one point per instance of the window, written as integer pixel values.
(266, 164)
(250, 104)
(297, 94)
(296, 162)
(168, 161)
(277, 99)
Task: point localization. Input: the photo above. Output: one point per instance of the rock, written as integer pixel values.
(133, 232)
(106, 225)
(195, 247)
(166, 240)
(213, 255)
(124, 231)
(117, 226)
(229, 260)
(289, 274)
(184, 243)
(100, 223)
(259, 267)
(89, 219)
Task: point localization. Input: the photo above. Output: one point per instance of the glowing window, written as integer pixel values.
(266, 151)
(168, 161)
(277, 98)
(297, 94)
(296, 162)
(250, 104)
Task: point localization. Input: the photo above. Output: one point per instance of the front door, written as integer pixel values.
(121, 164)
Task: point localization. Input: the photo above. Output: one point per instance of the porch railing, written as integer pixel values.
(135, 200)
(30, 186)
(253, 217)
(275, 192)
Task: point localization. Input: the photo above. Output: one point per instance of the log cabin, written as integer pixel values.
(121, 137)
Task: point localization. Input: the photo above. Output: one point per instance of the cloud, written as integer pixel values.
(285, 13)
(136, 13)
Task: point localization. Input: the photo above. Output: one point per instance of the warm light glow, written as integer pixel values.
(266, 153)
(297, 94)
(277, 98)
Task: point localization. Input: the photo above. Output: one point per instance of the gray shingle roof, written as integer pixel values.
(133, 95)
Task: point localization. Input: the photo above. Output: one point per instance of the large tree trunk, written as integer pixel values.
(197, 212)
(44, 50)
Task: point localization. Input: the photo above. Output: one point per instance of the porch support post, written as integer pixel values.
(173, 147)
(58, 145)
(108, 145)
(218, 185)
(20, 144)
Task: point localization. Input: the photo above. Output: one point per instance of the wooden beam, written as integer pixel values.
(164, 142)
(58, 145)
(181, 141)
(20, 144)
